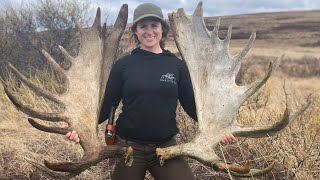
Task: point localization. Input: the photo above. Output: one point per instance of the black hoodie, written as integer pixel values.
(149, 86)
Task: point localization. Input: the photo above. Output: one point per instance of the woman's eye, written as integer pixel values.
(155, 25)
(142, 26)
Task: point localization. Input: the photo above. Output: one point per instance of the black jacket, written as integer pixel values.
(149, 86)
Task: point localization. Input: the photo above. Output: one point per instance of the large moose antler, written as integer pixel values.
(213, 71)
(82, 102)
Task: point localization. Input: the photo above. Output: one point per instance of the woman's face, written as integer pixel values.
(149, 33)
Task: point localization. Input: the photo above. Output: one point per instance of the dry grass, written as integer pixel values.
(297, 148)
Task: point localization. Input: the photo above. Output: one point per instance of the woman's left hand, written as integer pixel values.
(228, 138)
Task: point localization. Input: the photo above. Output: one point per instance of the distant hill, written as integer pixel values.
(294, 28)
(303, 26)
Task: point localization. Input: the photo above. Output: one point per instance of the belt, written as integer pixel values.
(123, 140)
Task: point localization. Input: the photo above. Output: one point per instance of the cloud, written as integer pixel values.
(110, 8)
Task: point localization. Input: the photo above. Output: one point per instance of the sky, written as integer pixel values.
(211, 7)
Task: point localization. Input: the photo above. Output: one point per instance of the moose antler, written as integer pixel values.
(82, 102)
(213, 71)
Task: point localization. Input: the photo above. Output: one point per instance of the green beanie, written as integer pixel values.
(147, 10)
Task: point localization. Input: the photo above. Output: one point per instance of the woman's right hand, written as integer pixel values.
(228, 138)
(72, 136)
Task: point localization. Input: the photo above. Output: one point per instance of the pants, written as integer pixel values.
(145, 158)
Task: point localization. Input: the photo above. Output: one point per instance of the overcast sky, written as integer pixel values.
(211, 7)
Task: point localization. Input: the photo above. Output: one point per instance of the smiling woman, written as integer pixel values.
(149, 81)
(149, 34)
(149, 28)
(146, 82)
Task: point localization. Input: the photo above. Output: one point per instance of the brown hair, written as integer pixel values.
(165, 31)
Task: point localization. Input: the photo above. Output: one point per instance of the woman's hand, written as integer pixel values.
(72, 136)
(228, 138)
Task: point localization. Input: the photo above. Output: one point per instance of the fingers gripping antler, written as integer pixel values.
(213, 71)
(81, 103)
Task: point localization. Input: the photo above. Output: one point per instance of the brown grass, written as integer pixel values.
(297, 148)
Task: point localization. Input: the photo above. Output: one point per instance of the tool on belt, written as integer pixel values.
(110, 132)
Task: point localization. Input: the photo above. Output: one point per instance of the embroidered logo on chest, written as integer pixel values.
(168, 78)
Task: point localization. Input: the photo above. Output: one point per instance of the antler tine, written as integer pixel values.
(243, 53)
(92, 159)
(78, 26)
(228, 37)
(111, 43)
(266, 131)
(182, 14)
(232, 167)
(96, 24)
(67, 56)
(255, 86)
(253, 172)
(49, 129)
(215, 31)
(54, 117)
(97, 20)
(120, 22)
(59, 68)
(51, 173)
(198, 12)
(199, 24)
(104, 30)
(35, 88)
(56, 66)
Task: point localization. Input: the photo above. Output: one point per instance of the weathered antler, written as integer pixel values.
(86, 80)
(213, 71)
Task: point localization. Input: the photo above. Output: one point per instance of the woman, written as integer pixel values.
(149, 82)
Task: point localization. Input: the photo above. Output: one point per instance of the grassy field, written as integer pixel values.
(297, 149)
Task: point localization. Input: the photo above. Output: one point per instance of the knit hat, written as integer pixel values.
(147, 10)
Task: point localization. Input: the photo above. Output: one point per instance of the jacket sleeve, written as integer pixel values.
(113, 92)
(186, 95)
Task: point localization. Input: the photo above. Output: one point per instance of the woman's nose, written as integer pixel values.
(149, 28)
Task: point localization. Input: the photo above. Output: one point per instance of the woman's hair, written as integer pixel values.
(165, 31)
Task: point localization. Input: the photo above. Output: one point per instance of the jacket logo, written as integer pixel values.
(168, 78)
